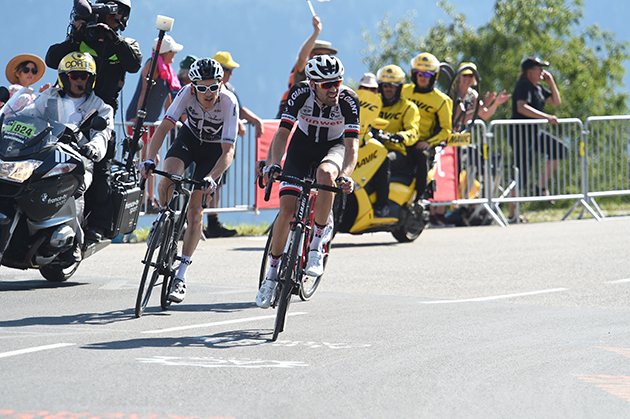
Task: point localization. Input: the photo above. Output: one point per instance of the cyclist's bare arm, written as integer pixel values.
(225, 160)
(277, 147)
(156, 142)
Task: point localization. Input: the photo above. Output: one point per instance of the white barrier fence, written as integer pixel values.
(508, 162)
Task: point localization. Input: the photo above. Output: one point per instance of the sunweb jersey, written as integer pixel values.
(321, 123)
(217, 125)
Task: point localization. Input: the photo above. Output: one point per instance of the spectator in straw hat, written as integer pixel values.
(22, 72)
(311, 47)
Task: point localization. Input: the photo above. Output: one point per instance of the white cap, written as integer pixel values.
(168, 45)
(368, 80)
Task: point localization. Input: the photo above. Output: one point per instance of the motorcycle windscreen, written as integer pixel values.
(25, 135)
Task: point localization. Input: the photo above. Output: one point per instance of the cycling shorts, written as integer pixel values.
(188, 148)
(303, 154)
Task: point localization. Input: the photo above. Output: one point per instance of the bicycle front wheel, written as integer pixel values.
(264, 266)
(152, 262)
(170, 267)
(287, 280)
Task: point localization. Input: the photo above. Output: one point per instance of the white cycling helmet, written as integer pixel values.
(205, 69)
(324, 67)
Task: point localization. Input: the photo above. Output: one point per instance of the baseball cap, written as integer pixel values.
(530, 62)
(187, 61)
(225, 59)
(168, 45)
(368, 80)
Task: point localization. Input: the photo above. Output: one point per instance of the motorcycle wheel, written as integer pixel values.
(55, 273)
(413, 221)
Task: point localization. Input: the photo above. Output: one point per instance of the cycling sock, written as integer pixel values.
(274, 262)
(183, 267)
(318, 233)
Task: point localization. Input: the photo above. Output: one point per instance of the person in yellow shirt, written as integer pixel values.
(401, 132)
(436, 114)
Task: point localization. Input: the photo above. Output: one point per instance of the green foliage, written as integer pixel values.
(587, 63)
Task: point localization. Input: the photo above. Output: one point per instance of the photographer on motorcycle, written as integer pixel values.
(402, 131)
(95, 30)
(75, 103)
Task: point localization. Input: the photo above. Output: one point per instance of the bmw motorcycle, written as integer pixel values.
(41, 170)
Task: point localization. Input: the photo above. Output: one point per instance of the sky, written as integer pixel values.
(263, 36)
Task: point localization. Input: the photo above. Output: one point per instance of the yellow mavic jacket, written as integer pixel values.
(404, 120)
(436, 114)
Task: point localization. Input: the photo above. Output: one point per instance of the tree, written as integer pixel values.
(587, 64)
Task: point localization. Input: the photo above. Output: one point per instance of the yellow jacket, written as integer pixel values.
(404, 120)
(436, 114)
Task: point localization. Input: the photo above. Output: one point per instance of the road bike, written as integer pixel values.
(291, 277)
(162, 257)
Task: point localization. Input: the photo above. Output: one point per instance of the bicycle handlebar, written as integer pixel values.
(305, 182)
(177, 179)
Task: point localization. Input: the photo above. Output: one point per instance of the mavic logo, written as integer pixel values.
(61, 157)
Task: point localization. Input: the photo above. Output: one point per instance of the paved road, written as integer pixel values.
(521, 322)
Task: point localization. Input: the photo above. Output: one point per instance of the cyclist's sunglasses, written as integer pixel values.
(329, 84)
(78, 75)
(26, 70)
(203, 89)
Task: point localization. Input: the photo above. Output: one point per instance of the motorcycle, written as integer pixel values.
(41, 170)
(407, 214)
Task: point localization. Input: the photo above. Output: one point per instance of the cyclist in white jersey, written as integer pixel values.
(327, 135)
(207, 138)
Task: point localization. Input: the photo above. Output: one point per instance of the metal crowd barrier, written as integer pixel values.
(237, 193)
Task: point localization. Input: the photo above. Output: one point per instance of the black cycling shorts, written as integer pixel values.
(303, 154)
(188, 148)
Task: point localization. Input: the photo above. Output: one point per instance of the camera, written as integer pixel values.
(92, 15)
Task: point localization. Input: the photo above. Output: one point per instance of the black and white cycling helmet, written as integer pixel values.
(205, 69)
(324, 67)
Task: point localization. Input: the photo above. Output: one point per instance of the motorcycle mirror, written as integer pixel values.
(98, 123)
(4, 94)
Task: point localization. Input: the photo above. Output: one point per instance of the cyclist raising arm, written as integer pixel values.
(207, 138)
(327, 134)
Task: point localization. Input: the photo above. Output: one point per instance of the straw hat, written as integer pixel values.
(324, 45)
(15, 61)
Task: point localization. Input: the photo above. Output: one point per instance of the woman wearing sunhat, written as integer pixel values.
(22, 72)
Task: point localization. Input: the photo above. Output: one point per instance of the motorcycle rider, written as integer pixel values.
(98, 34)
(401, 132)
(327, 115)
(436, 114)
(76, 79)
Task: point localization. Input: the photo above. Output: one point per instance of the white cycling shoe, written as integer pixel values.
(315, 264)
(265, 293)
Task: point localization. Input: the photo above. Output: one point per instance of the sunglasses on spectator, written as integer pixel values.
(26, 70)
(78, 75)
(424, 74)
(388, 85)
(329, 84)
(467, 75)
(203, 89)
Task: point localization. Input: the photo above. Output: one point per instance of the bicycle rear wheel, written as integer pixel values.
(287, 280)
(152, 262)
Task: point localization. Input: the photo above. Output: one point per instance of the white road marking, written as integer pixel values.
(496, 297)
(619, 281)
(36, 349)
(197, 326)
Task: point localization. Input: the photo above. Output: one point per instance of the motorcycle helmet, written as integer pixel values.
(394, 75)
(76, 61)
(324, 67)
(125, 7)
(205, 69)
(425, 63)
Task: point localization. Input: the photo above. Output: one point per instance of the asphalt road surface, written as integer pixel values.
(527, 321)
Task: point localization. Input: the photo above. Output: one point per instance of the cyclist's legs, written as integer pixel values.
(327, 173)
(171, 165)
(195, 223)
(281, 225)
